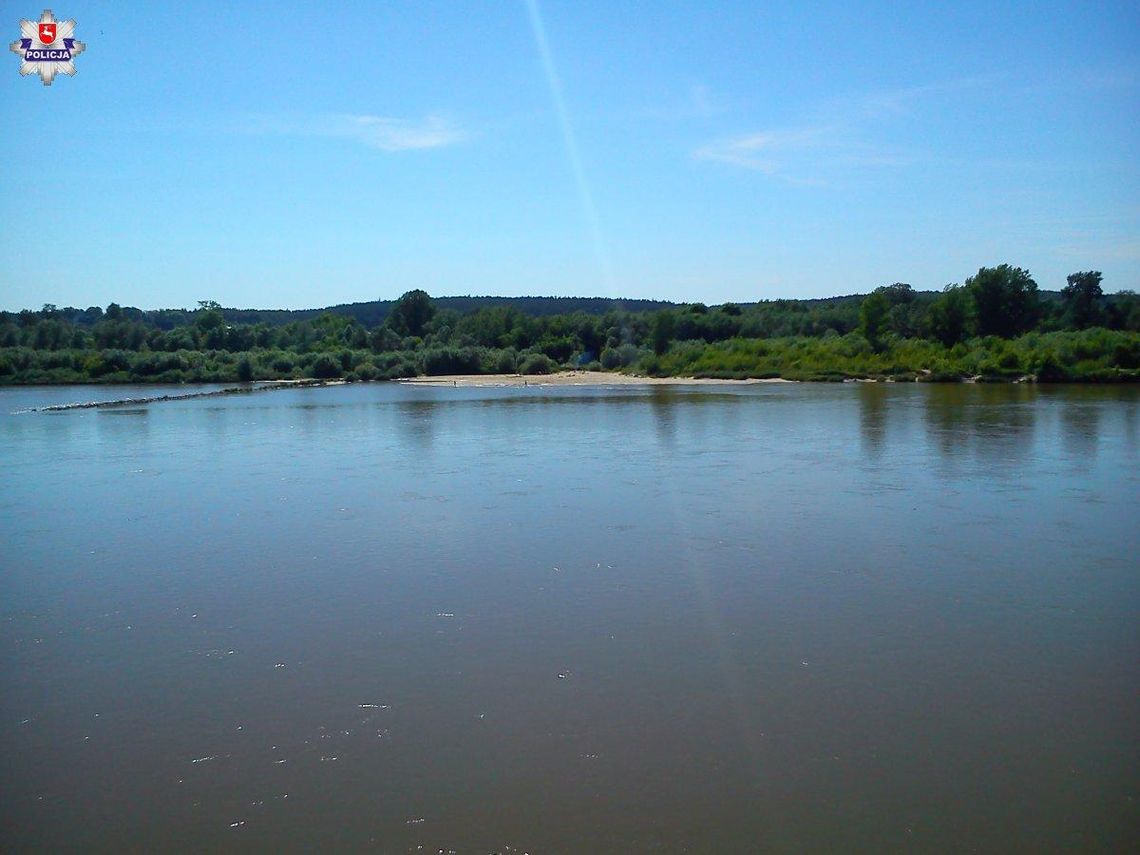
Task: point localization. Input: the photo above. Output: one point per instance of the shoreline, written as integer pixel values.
(576, 378)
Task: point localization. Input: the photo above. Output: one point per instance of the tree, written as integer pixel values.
(1005, 300)
(591, 338)
(536, 363)
(905, 319)
(898, 293)
(1082, 299)
(325, 367)
(244, 370)
(209, 318)
(1124, 311)
(873, 317)
(664, 325)
(354, 335)
(949, 315)
(903, 316)
(383, 339)
(411, 313)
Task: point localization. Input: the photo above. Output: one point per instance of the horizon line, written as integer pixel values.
(511, 297)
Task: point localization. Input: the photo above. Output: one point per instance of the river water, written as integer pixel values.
(662, 619)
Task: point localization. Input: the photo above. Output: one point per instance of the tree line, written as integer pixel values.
(996, 324)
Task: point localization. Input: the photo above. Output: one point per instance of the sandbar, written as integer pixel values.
(576, 378)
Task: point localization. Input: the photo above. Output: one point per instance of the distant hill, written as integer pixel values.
(375, 311)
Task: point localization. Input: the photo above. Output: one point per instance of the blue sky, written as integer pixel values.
(296, 155)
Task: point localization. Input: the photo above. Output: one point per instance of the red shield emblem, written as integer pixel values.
(47, 33)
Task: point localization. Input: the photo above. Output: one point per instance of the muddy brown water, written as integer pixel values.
(558, 620)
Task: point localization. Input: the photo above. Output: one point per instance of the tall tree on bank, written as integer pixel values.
(664, 327)
(873, 313)
(905, 317)
(1005, 300)
(1082, 299)
(948, 318)
(412, 313)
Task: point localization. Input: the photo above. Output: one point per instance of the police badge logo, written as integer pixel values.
(38, 49)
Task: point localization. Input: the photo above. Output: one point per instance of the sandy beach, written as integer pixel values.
(574, 378)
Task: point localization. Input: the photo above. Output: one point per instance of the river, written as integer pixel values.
(555, 620)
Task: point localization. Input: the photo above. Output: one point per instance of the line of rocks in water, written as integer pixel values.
(267, 386)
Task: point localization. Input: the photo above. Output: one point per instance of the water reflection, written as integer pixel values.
(1004, 423)
(1080, 430)
(991, 426)
(416, 423)
(663, 406)
(122, 425)
(873, 404)
(1132, 426)
(945, 420)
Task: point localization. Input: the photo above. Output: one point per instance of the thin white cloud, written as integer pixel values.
(764, 151)
(379, 132)
(809, 156)
(397, 134)
(882, 102)
(835, 140)
(704, 102)
(697, 102)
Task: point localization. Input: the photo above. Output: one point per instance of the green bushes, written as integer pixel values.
(621, 356)
(325, 367)
(365, 371)
(787, 339)
(282, 364)
(506, 361)
(1097, 355)
(452, 360)
(536, 363)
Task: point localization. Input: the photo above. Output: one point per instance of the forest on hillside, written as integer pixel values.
(997, 325)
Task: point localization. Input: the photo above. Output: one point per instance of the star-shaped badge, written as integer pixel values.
(47, 47)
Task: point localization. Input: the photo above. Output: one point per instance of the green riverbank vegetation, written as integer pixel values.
(996, 326)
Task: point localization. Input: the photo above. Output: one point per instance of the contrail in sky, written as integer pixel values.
(586, 198)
